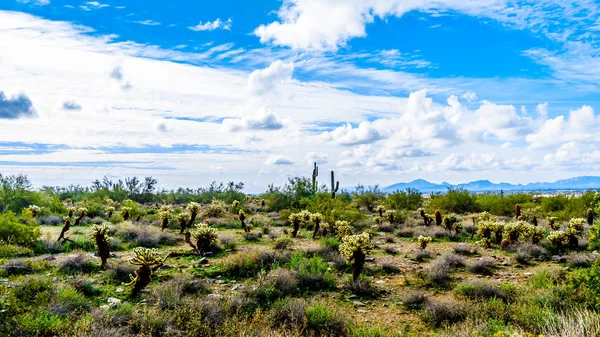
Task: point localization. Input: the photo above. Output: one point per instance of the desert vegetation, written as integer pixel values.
(125, 259)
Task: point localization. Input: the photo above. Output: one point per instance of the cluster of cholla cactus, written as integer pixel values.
(316, 219)
(148, 261)
(204, 236)
(298, 219)
(553, 222)
(427, 220)
(126, 212)
(354, 248)
(449, 221)
(484, 231)
(35, 210)
(424, 241)
(568, 237)
(164, 214)
(343, 228)
(186, 221)
(100, 235)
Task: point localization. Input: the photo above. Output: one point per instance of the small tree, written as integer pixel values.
(354, 248)
(100, 235)
(148, 261)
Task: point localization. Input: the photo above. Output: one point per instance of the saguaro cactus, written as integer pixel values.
(517, 211)
(315, 174)
(438, 217)
(335, 186)
(590, 217)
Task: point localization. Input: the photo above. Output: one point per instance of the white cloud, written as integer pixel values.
(365, 133)
(71, 105)
(16, 106)
(501, 122)
(319, 158)
(96, 4)
(279, 160)
(470, 96)
(263, 81)
(148, 23)
(35, 2)
(264, 120)
(582, 125)
(542, 110)
(217, 24)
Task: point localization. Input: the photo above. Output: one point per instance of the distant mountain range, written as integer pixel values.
(424, 186)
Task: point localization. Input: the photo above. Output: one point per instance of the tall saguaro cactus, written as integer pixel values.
(315, 174)
(335, 186)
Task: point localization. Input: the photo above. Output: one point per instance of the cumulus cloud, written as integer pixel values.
(470, 96)
(581, 125)
(365, 133)
(71, 105)
(542, 110)
(279, 160)
(319, 158)
(16, 106)
(118, 75)
(480, 162)
(571, 155)
(266, 80)
(501, 122)
(217, 24)
(264, 120)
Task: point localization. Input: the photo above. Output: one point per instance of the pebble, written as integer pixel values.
(113, 301)
(380, 282)
(359, 304)
(203, 260)
(119, 290)
(360, 311)
(48, 257)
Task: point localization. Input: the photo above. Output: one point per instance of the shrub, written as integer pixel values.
(283, 242)
(248, 264)
(169, 294)
(437, 314)
(464, 249)
(583, 323)
(229, 242)
(67, 301)
(12, 231)
(252, 237)
(483, 266)
(313, 273)
(120, 272)
(422, 255)
(289, 312)
(50, 220)
(453, 260)
(438, 272)
(273, 285)
(332, 243)
(77, 263)
(216, 209)
(322, 321)
(12, 251)
(479, 290)
(414, 300)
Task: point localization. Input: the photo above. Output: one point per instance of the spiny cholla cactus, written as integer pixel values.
(534, 233)
(184, 219)
(35, 210)
(515, 229)
(147, 260)
(380, 210)
(109, 212)
(204, 237)
(235, 206)
(242, 217)
(65, 229)
(100, 235)
(557, 239)
(295, 219)
(305, 217)
(485, 228)
(82, 212)
(438, 217)
(390, 216)
(194, 209)
(498, 229)
(424, 241)
(325, 227)
(70, 211)
(125, 212)
(574, 229)
(529, 214)
(343, 228)
(458, 227)
(449, 221)
(316, 218)
(354, 248)
(164, 215)
(427, 220)
(553, 222)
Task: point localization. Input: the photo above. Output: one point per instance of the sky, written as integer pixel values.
(380, 91)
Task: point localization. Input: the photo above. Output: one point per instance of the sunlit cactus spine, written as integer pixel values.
(204, 237)
(354, 248)
(335, 186)
(315, 174)
(517, 211)
(295, 219)
(82, 212)
(148, 261)
(316, 218)
(438, 217)
(125, 212)
(100, 235)
(343, 228)
(590, 217)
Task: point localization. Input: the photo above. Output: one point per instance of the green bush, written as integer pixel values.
(10, 251)
(322, 321)
(12, 231)
(457, 201)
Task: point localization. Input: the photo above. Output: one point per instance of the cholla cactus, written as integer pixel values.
(574, 228)
(325, 227)
(485, 216)
(427, 220)
(517, 211)
(515, 229)
(498, 229)
(552, 222)
(35, 210)
(304, 217)
(438, 217)
(70, 211)
(109, 212)
(534, 233)
(557, 239)
(82, 212)
(316, 218)
(485, 243)
(242, 217)
(100, 235)
(184, 219)
(164, 215)
(389, 215)
(204, 237)
(354, 248)
(235, 204)
(449, 221)
(380, 210)
(343, 228)
(295, 220)
(147, 260)
(458, 227)
(125, 212)
(424, 241)
(65, 229)
(485, 228)
(194, 209)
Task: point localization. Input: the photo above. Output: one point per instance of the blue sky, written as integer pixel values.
(382, 91)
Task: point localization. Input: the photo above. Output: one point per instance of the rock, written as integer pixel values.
(165, 266)
(506, 263)
(350, 297)
(527, 274)
(208, 254)
(380, 282)
(219, 281)
(47, 257)
(203, 260)
(237, 286)
(113, 301)
(370, 259)
(559, 259)
(119, 290)
(215, 296)
(360, 311)
(359, 304)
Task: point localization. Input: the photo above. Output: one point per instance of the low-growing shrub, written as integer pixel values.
(322, 321)
(229, 242)
(422, 255)
(414, 300)
(479, 290)
(483, 267)
(249, 264)
(465, 249)
(438, 314)
(438, 272)
(283, 242)
(362, 287)
(119, 272)
(76, 264)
